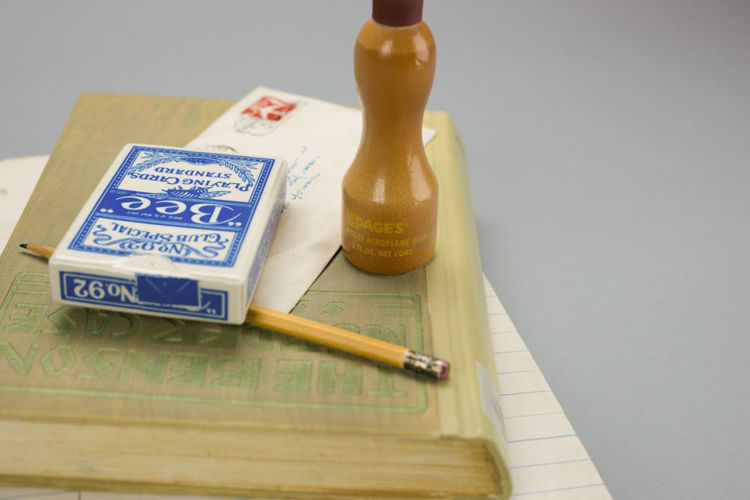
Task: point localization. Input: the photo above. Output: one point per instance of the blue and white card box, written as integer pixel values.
(172, 232)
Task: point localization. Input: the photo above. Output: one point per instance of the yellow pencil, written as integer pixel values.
(329, 336)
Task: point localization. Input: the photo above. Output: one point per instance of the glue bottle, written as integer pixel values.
(389, 193)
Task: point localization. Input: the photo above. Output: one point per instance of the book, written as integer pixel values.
(115, 401)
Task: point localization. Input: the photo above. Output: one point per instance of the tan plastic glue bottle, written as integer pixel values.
(389, 194)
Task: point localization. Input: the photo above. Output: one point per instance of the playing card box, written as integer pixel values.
(172, 232)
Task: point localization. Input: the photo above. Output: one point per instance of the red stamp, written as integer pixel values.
(270, 108)
(264, 115)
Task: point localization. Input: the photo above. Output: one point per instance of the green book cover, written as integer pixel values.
(110, 400)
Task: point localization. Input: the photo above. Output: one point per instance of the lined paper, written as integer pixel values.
(546, 458)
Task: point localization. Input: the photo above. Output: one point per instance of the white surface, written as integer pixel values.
(17, 180)
(546, 458)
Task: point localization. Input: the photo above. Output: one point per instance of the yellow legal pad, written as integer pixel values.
(95, 399)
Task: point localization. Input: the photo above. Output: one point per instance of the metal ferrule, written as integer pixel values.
(423, 364)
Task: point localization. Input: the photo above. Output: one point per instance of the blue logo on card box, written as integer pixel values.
(146, 293)
(193, 207)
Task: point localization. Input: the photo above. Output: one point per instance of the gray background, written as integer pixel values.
(609, 147)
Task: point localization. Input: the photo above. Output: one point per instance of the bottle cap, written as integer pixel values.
(397, 12)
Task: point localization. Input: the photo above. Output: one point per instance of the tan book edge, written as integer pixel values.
(94, 400)
(457, 299)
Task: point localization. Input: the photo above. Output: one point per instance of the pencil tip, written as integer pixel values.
(23, 245)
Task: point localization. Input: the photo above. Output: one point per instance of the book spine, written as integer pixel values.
(458, 308)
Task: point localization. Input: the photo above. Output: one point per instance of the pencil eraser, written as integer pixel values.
(172, 232)
(445, 371)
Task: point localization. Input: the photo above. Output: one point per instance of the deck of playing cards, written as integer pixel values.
(172, 232)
